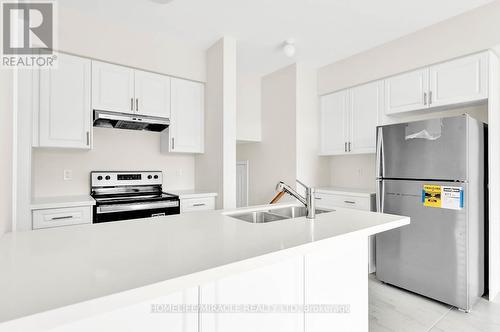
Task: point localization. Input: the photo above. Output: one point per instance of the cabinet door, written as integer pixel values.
(334, 123)
(366, 102)
(459, 81)
(278, 284)
(147, 316)
(65, 113)
(152, 94)
(187, 119)
(112, 88)
(407, 92)
(337, 277)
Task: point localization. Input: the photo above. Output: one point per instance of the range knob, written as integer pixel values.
(108, 177)
(156, 176)
(99, 178)
(150, 177)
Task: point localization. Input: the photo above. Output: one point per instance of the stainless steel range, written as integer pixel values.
(130, 195)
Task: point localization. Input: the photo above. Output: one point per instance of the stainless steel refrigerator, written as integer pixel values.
(433, 172)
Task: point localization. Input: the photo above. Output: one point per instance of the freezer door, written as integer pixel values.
(431, 149)
(429, 256)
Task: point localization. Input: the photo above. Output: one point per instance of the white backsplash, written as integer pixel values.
(353, 171)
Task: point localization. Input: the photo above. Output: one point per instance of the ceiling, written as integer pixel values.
(324, 30)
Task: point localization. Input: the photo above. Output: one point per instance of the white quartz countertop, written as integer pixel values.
(185, 194)
(346, 191)
(39, 203)
(109, 265)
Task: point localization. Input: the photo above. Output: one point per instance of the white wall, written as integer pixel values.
(248, 112)
(274, 159)
(467, 33)
(6, 109)
(216, 168)
(353, 171)
(124, 150)
(114, 149)
(311, 169)
(85, 35)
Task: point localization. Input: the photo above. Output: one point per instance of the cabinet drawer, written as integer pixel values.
(62, 217)
(345, 201)
(197, 204)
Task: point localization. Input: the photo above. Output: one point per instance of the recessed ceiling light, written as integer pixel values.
(162, 2)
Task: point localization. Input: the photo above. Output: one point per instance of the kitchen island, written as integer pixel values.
(215, 272)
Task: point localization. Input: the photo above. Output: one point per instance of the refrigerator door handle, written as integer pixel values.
(380, 196)
(380, 153)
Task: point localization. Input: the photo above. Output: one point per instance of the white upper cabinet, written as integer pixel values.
(366, 103)
(454, 82)
(459, 81)
(65, 114)
(186, 132)
(407, 92)
(349, 119)
(152, 94)
(112, 88)
(334, 129)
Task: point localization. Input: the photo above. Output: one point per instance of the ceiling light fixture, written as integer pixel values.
(162, 2)
(289, 47)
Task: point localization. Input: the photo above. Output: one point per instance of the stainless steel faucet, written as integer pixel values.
(308, 201)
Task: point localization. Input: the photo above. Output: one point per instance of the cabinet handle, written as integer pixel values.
(425, 98)
(60, 218)
(345, 146)
(349, 202)
(430, 97)
(173, 143)
(318, 198)
(132, 104)
(199, 204)
(349, 146)
(88, 138)
(137, 104)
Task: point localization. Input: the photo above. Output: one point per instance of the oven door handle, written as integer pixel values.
(111, 208)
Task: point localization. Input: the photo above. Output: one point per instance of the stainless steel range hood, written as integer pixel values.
(108, 119)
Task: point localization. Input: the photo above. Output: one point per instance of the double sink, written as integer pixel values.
(280, 213)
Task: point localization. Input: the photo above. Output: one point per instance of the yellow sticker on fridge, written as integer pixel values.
(431, 195)
(444, 197)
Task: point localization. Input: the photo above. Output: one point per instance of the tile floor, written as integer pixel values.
(395, 310)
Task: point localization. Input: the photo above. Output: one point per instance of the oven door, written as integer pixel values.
(125, 211)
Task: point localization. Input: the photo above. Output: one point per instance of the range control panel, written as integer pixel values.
(125, 177)
(108, 179)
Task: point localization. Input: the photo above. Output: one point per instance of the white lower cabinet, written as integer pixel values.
(343, 292)
(332, 198)
(48, 218)
(323, 290)
(277, 284)
(151, 316)
(197, 204)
